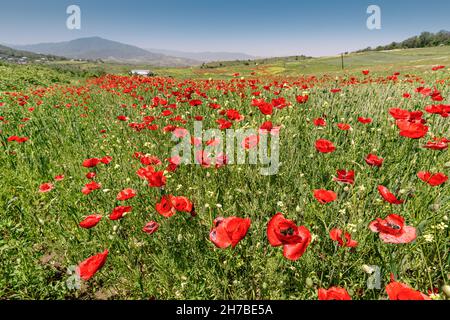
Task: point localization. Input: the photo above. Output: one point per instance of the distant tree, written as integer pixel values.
(424, 40)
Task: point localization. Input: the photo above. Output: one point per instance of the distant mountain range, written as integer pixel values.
(206, 56)
(96, 48)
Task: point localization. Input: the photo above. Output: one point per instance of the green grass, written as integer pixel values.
(39, 233)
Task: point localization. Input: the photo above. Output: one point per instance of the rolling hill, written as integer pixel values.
(96, 48)
(10, 53)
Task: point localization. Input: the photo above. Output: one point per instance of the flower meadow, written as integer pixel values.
(92, 192)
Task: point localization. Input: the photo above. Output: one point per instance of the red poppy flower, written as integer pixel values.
(221, 160)
(46, 187)
(411, 130)
(284, 232)
(432, 179)
(401, 114)
(174, 162)
(119, 212)
(302, 99)
(346, 241)
(90, 175)
(393, 229)
(150, 160)
(89, 267)
(364, 120)
(213, 142)
(122, 118)
(90, 163)
(126, 194)
(59, 177)
(424, 91)
(325, 146)
(145, 172)
(345, 176)
(388, 196)
(166, 113)
(106, 160)
(182, 204)
(196, 141)
(89, 187)
(17, 139)
(257, 102)
(325, 196)
(203, 158)
(437, 144)
(266, 108)
(442, 110)
(267, 127)
(344, 126)
(229, 231)
(436, 96)
(250, 142)
(234, 115)
(365, 72)
(320, 122)
(157, 179)
(335, 90)
(165, 207)
(224, 124)
(194, 103)
(400, 291)
(334, 293)
(151, 227)
(437, 68)
(90, 221)
(374, 160)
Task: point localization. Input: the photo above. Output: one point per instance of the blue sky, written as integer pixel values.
(262, 28)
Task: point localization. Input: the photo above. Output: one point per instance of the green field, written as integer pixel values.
(74, 116)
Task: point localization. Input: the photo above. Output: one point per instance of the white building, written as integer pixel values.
(145, 73)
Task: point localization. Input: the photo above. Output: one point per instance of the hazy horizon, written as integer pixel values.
(252, 27)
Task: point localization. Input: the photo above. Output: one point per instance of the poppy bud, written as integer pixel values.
(309, 282)
(446, 290)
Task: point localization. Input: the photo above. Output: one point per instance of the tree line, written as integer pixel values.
(424, 40)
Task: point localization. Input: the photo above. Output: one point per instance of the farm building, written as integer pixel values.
(145, 73)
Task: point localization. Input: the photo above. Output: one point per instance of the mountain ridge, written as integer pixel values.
(206, 56)
(97, 48)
